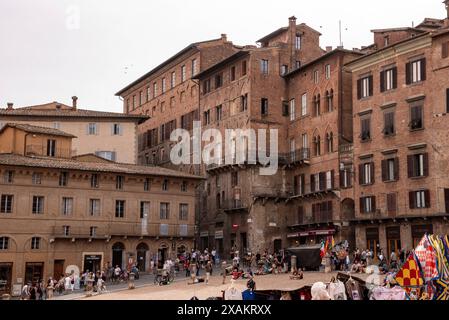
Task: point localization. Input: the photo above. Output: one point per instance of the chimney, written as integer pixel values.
(224, 37)
(74, 99)
(292, 40)
(10, 106)
(328, 48)
(446, 21)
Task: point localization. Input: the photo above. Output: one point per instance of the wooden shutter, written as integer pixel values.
(382, 81)
(372, 172)
(384, 170)
(361, 174)
(412, 199)
(391, 203)
(362, 205)
(332, 179)
(426, 164)
(445, 50)
(410, 162)
(396, 169)
(322, 181)
(427, 198)
(371, 85)
(395, 77)
(423, 69)
(373, 204)
(303, 183)
(408, 73)
(312, 183)
(342, 177)
(359, 89)
(295, 185)
(446, 199)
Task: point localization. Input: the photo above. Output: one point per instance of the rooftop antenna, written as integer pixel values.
(339, 31)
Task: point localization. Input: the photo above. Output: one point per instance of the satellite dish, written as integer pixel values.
(72, 269)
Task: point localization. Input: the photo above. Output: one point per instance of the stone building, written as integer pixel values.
(59, 213)
(112, 136)
(401, 102)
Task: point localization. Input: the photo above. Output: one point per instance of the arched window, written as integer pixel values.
(330, 142)
(317, 145)
(317, 100)
(330, 101)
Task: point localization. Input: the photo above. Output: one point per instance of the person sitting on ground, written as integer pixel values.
(248, 274)
(297, 274)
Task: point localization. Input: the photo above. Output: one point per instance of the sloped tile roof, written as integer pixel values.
(36, 129)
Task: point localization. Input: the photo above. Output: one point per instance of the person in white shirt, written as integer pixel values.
(117, 272)
(67, 282)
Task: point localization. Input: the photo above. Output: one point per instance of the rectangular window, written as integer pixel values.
(366, 173)
(284, 69)
(67, 206)
(141, 99)
(234, 179)
(66, 231)
(63, 179)
(155, 89)
(183, 211)
(164, 85)
(419, 199)
(165, 185)
(392, 206)
(316, 76)
(445, 50)
(36, 178)
(346, 178)
(390, 169)
(298, 42)
(365, 87)
(51, 148)
(368, 205)
(327, 70)
(304, 105)
(206, 86)
(92, 129)
(9, 176)
(35, 243)
(244, 102)
(389, 79)
(94, 207)
(418, 165)
(164, 211)
(4, 243)
(173, 80)
(415, 71)
(119, 181)
(389, 128)
(148, 94)
(147, 184)
(232, 75)
(416, 116)
(244, 69)
(264, 66)
(6, 203)
(207, 117)
(94, 181)
(93, 232)
(120, 208)
(116, 129)
(365, 132)
(38, 205)
(219, 113)
(183, 73)
(144, 209)
(329, 180)
(184, 185)
(292, 110)
(297, 64)
(108, 155)
(194, 67)
(134, 102)
(264, 106)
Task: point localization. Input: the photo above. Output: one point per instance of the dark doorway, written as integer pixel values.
(5, 277)
(142, 249)
(277, 244)
(243, 243)
(117, 254)
(219, 247)
(58, 269)
(161, 256)
(34, 271)
(393, 240)
(92, 263)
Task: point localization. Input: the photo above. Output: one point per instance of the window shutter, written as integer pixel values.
(342, 177)
(426, 164)
(362, 205)
(411, 199)
(382, 81)
(373, 203)
(371, 85)
(423, 69)
(408, 73)
(384, 170)
(395, 77)
(359, 89)
(322, 181)
(396, 169)
(361, 174)
(445, 50)
(332, 179)
(410, 166)
(312, 183)
(427, 197)
(446, 199)
(295, 185)
(447, 100)
(303, 183)
(372, 172)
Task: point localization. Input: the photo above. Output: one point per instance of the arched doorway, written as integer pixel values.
(142, 249)
(162, 253)
(117, 254)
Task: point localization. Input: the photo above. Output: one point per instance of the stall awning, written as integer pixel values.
(326, 232)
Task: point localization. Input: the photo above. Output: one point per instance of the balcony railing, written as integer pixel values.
(296, 157)
(41, 151)
(233, 204)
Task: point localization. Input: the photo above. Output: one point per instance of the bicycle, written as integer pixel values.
(160, 279)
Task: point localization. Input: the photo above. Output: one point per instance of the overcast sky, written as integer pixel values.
(51, 50)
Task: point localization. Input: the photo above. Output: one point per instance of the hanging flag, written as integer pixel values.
(443, 290)
(410, 275)
(421, 251)
(430, 267)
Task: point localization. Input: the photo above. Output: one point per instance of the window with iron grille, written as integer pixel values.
(183, 211)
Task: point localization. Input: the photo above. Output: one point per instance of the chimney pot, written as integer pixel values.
(224, 37)
(74, 100)
(10, 105)
(328, 48)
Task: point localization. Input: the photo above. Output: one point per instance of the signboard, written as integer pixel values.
(204, 233)
(219, 234)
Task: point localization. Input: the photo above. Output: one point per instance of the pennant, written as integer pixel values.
(410, 274)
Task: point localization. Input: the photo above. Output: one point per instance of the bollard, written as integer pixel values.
(293, 262)
(131, 278)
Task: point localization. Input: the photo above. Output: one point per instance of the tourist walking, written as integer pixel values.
(208, 271)
(223, 270)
